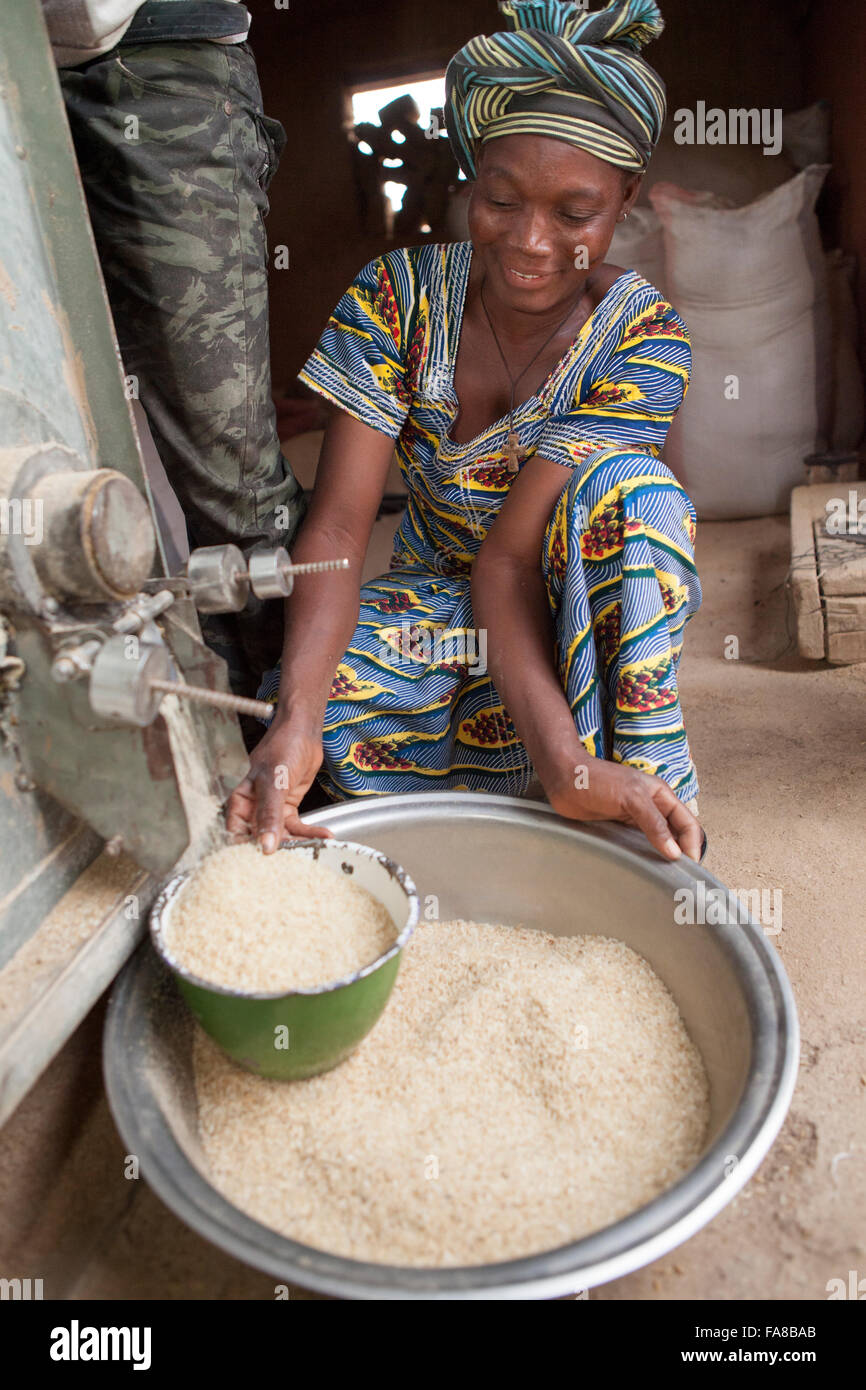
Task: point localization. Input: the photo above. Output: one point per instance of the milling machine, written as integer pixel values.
(119, 741)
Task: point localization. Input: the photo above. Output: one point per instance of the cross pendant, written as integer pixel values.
(514, 452)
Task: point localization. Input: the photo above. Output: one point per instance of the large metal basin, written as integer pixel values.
(494, 859)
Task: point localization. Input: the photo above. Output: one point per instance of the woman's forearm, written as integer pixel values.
(320, 616)
(510, 602)
(509, 599)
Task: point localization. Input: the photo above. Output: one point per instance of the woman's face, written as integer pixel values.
(541, 217)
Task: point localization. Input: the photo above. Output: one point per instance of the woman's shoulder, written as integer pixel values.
(639, 300)
(428, 262)
(632, 310)
(414, 285)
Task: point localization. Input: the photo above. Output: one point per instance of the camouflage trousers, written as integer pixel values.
(176, 157)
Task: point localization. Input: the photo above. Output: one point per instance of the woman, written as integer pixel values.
(528, 387)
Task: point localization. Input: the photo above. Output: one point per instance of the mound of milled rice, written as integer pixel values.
(270, 922)
(520, 1091)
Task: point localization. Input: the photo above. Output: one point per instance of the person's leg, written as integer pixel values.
(411, 707)
(619, 567)
(176, 157)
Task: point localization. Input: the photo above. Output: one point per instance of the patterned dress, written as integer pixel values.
(411, 706)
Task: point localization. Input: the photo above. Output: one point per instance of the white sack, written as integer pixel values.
(751, 284)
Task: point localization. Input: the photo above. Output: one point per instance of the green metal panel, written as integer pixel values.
(60, 371)
(61, 379)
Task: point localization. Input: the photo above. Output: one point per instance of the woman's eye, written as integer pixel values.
(575, 216)
(497, 203)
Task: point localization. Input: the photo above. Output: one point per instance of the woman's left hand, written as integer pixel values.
(602, 790)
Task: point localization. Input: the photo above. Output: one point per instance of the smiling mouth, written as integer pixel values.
(530, 277)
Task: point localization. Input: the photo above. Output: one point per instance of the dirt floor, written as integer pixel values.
(780, 746)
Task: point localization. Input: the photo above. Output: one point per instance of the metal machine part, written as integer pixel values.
(143, 611)
(77, 547)
(71, 534)
(98, 536)
(83, 548)
(120, 681)
(77, 569)
(220, 580)
(74, 660)
(271, 574)
(259, 709)
(82, 567)
(129, 678)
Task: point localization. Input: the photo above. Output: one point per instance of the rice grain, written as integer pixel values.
(269, 922)
(520, 1091)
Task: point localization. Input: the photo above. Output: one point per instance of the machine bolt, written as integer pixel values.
(64, 669)
(74, 661)
(143, 611)
(23, 782)
(114, 846)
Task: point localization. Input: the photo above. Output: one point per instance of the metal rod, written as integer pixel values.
(318, 566)
(260, 708)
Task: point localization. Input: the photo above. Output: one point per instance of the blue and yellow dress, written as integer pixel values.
(411, 706)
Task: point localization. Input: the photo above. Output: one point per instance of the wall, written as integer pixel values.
(743, 54)
(835, 64)
(306, 61)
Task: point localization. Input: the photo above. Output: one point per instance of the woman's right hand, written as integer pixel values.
(282, 768)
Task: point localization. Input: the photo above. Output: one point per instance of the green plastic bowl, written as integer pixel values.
(307, 1031)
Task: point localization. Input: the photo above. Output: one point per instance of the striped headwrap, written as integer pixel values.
(563, 72)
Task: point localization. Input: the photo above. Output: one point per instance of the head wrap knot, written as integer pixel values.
(563, 72)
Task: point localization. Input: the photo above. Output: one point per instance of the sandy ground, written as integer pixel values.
(781, 750)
